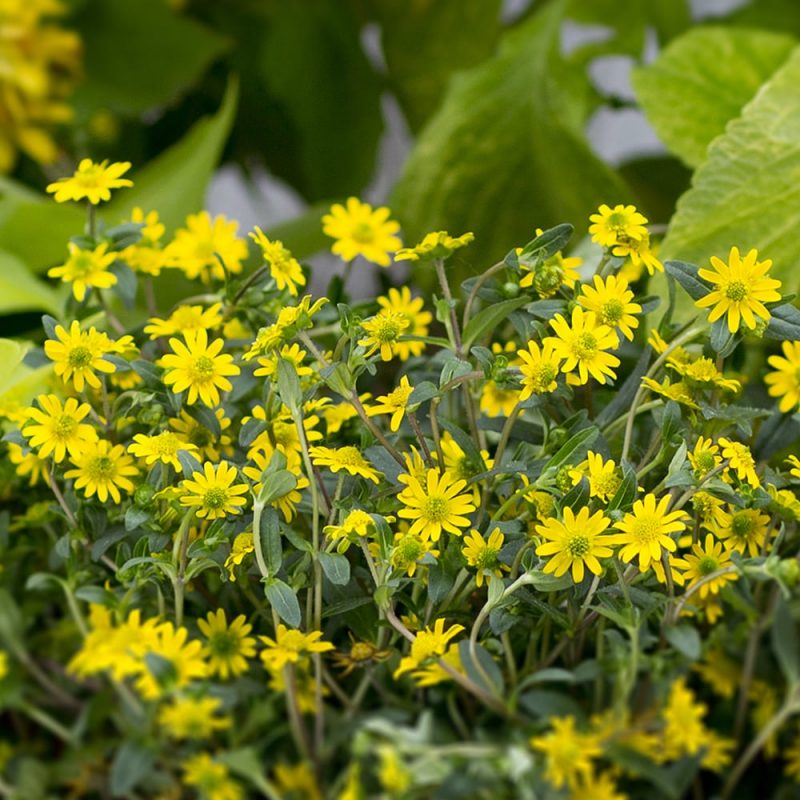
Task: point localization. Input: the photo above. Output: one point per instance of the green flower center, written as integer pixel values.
(736, 291)
(387, 331)
(436, 508)
(704, 461)
(409, 550)
(612, 312)
(166, 444)
(100, 468)
(361, 651)
(578, 545)
(65, 426)
(202, 369)
(349, 456)
(487, 559)
(200, 436)
(215, 498)
(79, 357)
(707, 565)
(82, 264)
(617, 221)
(585, 346)
(742, 524)
(224, 644)
(363, 232)
(646, 530)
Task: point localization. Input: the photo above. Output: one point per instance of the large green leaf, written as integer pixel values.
(424, 42)
(19, 383)
(175, 182)
(702, 80)
(314, 68)
(746, 193)
(22, 291)
(138, 55)
(506, 152)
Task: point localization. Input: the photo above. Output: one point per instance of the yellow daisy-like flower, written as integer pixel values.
(408, 550)
(227, 646)
(582, 345)
(360, 230)
(199, 367)
(91, 181)
(56, 429)
(438, 244)
(484, 554)
(184, 319)
(704, 457)
(701, 372)
(208, 445)
(575, 543)
(547, 277)
(213, 492)
(610, 226)
(241, 548)
(103, 469)
(284, 268)
(497, 400)
(611, 302)
(356, 525)
(440, 505)
(461, 466)
(784, 382)
(678, 391)
(293, 353)
(429, 643)
(186, 660)
(743, 529)
(794, 463)
(289, 646)
(78, 355)
(383, 332)
(646, 530)
(197, 249)
(344, 458)
(211, 778)
(27, 463)
(86, 269)
(539, 367)
(394, 403)
(604, 480)
(741, 287)
(399, 301)
(568, 753)
(741, 461)
(704, 560)
(193, 718)
(161, 447)
(640, 254)
(684, 732)
(656, 341)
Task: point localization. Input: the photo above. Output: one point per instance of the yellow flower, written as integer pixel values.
(742, 529)
(227, 646)
(582, 346)
(741, 287)
(656, 342)
(344, 458)
(428, 643)
(199, 367)
(484, 554)
(497, 400)
(242, 547)
(383, 332)
(679, 391)
(603, 477)
(439, 505)
(161, 447)
(598, 786)
(86, 269)
(297, 782)
(684, 733)
(461, 466)
(208, 445)
(290, 320)
(394, 403)
(213, 492)
(394, 776)
(741, 461)
(794, 463)
(432, 673)
(612, 226)
(103, 469)
(539, 368)
(198, 248)
(294, 354)
(361, 231)
(703, 561)
(184, 319)
(287, 503)
(398, 301)
(186, 662)
(784, 382)
(408, 550)
(27, 463)
(289, 646)
(611, 302)
(765, 705)
(78, 354)
(357, 524)
(576, 542)
(211, 778)
(640, 254)
(568, 753)
(547, 277)
(193, 718)
(284, 268)
(705, 457)
(434, 245)
(91, 181)
(701, 372)
(56, 429)
(647, 529)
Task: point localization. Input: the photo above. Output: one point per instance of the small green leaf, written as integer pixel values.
(784, 323)
(281, 597)
(573, 449)
(686, 275)
(488, 667)
(271, 539)
(132, 762)
(336, 568)
(686, 640)
(488, 319)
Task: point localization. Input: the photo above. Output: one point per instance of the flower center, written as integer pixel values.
(578, 545)
(436, 508)
(647, 530)
(409, 550)
(166, 444)
(388, 330)
(612, 312)
(705, 461)
(487, 559)
(361, 651)
(617, 221)
(742, 524)
(224, 644)
(707, 565)
(82, 264)
(101, 468)
(585, 346)
(363, 233)
(736, 291)
(79, 357)
(350, 456)
(202, 369)
(65, 426)
(215, 498)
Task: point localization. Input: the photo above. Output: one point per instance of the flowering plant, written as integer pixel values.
(530, 537)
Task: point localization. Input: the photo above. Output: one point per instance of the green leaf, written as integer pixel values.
(281, 597)
(626, 493)
(714, 69)
(785, 642)
(573, 449)
(745, 192)
(19, 382)
(784, 323)
(270, 529)
(336, 568)
(175, 182)
(140, 55)
(131, 763)
(426, 41)
(487, 319)
(722, 341)
(687, 277)
(506, 129)
(483, 669)
(686, 640)
(277, 484)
